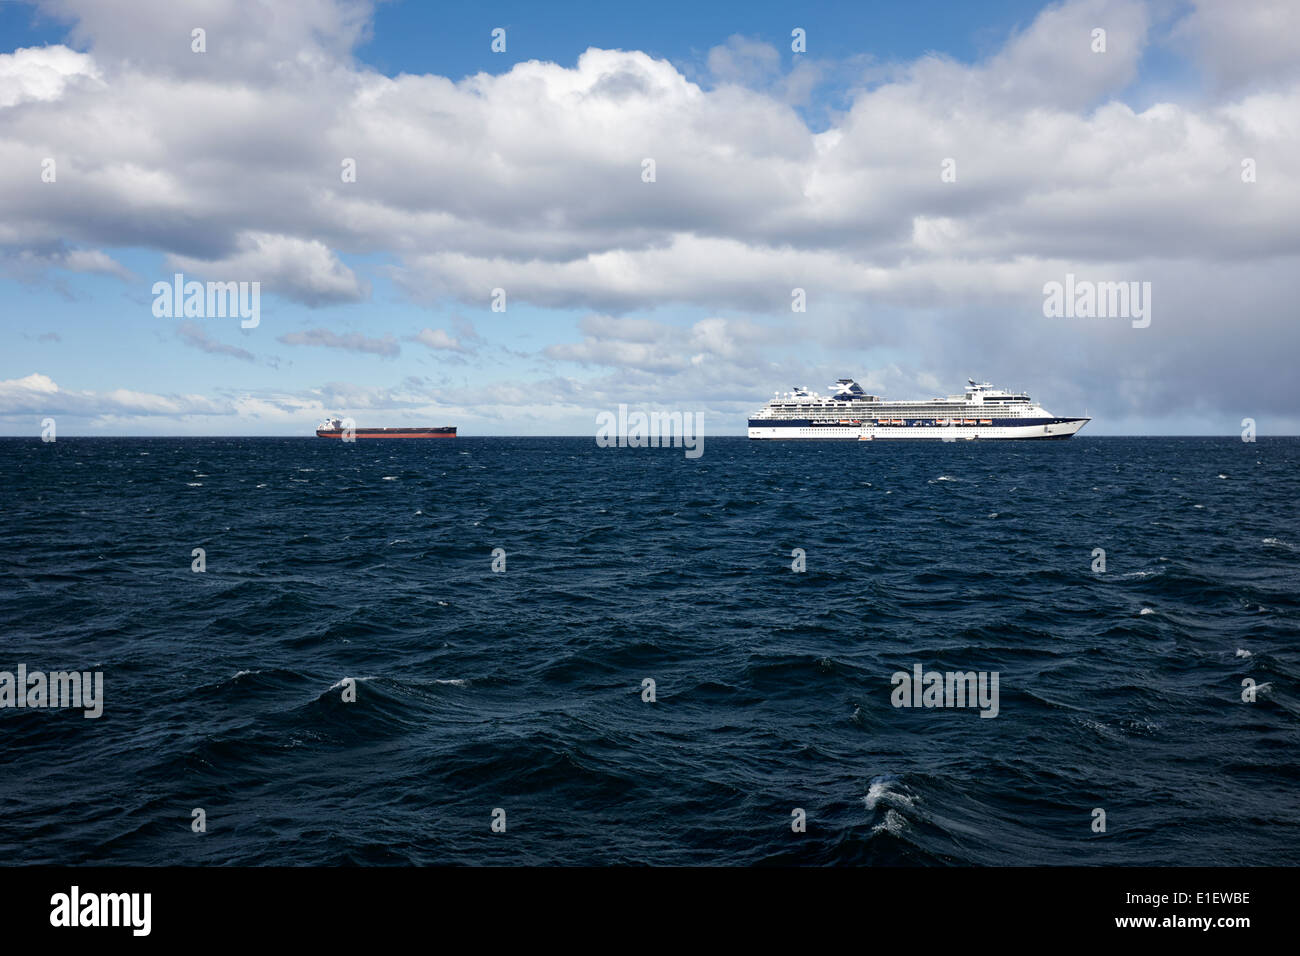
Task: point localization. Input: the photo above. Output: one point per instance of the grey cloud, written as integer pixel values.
(255, 39)
(438, 340)
(196, 336)
(351, 342)
(744, 60)
(1247, 44)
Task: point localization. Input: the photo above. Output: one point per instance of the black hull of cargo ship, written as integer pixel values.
(448, 431)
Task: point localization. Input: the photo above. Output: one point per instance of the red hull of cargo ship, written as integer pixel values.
(389, 433)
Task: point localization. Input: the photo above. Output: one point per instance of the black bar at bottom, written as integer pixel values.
(651, 906)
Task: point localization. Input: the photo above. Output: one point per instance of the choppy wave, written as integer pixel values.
(651, 679)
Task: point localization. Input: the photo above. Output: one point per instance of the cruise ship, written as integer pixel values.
(980, 411)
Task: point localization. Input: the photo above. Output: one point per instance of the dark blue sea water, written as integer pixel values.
(522, 690)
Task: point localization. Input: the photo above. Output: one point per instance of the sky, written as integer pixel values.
(921, 171)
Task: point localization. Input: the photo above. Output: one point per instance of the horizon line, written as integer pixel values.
(588, 435)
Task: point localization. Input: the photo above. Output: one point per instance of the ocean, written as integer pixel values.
(502, 713)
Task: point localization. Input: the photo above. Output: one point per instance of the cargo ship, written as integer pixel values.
(333, 428)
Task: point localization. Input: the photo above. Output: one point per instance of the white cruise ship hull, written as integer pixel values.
(1004, 429)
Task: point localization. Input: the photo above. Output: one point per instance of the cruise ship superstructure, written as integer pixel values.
(979, 412)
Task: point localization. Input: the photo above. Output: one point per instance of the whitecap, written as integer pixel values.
(1099, 728)
(359, 680)
(457, 682)
(390, 478)
(893, 824)
(879, 790)
(1141, 726)
(194, 484)
(1242, 652)
(1146, 610)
